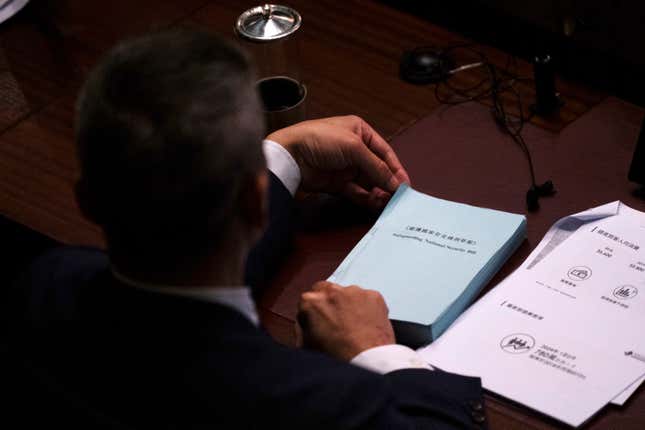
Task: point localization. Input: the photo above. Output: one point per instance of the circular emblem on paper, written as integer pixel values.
(517, 343)
(625, 292)
(579, 273)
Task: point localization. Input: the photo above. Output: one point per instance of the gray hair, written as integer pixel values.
(168, 125)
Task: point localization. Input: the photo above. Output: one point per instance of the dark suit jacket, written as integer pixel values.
(101, 354)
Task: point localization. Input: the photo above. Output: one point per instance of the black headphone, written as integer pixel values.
(535, 192)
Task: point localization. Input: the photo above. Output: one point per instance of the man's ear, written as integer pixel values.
(254, 204)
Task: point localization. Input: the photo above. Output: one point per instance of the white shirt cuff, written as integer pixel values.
(388, 358)
(282, 164)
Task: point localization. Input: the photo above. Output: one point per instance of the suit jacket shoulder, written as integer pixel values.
(91, 351)
(141, 359)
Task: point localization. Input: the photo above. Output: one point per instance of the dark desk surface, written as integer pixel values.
(349, 54)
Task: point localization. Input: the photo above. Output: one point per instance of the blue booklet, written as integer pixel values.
(429, 258)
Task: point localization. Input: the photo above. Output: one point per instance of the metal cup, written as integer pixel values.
(284, 101)
(268, 32)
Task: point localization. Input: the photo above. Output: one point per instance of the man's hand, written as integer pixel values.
(343, 155)
(344, 322)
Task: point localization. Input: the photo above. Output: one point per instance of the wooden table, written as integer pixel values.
(349, 54)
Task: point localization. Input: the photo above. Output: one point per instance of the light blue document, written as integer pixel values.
(430, 257)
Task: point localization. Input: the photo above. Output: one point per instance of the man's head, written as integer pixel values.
(169, 132)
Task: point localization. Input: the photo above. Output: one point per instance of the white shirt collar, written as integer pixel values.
(238, 298)
(282, 164)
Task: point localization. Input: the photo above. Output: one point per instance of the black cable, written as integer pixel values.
(504, 121)
(498, 86)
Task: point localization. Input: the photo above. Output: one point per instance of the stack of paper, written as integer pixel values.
(562, 333)
(429, 258)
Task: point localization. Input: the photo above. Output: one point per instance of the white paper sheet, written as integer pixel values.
(625, 395)
(561, 333)
(561, 231)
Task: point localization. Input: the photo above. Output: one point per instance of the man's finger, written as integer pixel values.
(373, 168)
(358, 195)
(320, 285)
(383, 150)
